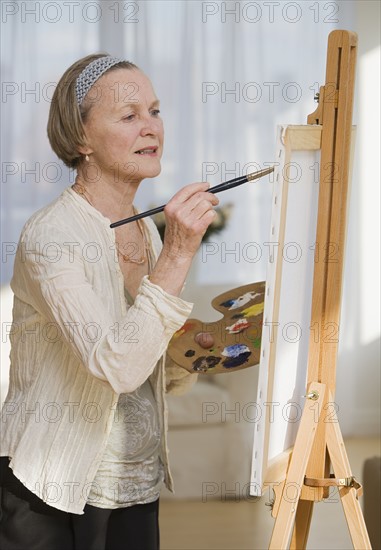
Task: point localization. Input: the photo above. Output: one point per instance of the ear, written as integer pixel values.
(85, 150)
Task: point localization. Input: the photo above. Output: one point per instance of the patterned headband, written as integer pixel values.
(91, 73)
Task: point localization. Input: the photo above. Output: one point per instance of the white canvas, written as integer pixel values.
(289, 279)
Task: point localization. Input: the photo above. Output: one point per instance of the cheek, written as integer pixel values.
(118, 138)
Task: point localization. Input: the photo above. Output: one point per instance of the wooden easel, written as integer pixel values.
(319, 442)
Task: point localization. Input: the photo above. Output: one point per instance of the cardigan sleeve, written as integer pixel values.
(122, 352)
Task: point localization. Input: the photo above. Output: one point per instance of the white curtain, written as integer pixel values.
(226, 73)
(271, 54)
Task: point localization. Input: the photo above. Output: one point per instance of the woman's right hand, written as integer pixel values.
(188, 215)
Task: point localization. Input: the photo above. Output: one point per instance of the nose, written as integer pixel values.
(150, 125)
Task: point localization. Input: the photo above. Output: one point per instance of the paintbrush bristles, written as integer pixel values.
(260, 173)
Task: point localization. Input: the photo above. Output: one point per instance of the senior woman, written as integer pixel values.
(84, 448)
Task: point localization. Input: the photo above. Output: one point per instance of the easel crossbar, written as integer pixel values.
(333, 481)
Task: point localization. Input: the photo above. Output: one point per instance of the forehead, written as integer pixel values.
(121, 87)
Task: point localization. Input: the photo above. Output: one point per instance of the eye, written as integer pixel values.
(129, 117)
(155, 112)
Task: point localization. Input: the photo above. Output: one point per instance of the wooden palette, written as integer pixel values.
(237, 336)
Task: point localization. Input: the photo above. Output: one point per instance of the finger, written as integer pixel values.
(189, 191)
(199, 210)
(199, 223)
(200, 197)
(183, 210)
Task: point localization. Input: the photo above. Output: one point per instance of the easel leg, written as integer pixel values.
(350, 502)
(302, 525)
(302, 450)
(294, 514)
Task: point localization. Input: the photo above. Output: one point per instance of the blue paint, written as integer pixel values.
(232, 362)
(228, 303)
(235, 350)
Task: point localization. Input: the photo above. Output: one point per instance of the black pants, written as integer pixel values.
(27, 523)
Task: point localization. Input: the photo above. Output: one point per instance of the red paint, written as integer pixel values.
(239, 326)
(185, 328)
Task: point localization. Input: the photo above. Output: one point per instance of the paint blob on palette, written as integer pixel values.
(237, 355)
(230, 344)
(238, 326)
(240, 301)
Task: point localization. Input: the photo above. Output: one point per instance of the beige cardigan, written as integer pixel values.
(75, 348)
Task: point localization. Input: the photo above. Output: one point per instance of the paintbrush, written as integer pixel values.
(216, 189)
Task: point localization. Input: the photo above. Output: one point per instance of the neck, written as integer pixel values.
(113, 199)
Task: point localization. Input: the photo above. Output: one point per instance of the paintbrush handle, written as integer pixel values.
(216, 189)
(139, 216)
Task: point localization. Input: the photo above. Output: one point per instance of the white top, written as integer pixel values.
(75, 348)
(131, 471)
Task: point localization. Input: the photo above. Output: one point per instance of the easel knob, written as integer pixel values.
(313, 395)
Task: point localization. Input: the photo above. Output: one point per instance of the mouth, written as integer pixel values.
(147, 151)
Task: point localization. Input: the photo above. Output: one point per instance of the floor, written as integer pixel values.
(247, 525)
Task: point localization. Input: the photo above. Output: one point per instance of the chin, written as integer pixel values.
(137, 172)
(145, 171)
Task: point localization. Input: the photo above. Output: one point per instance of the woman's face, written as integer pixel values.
(124, 130)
